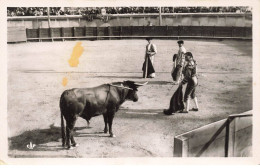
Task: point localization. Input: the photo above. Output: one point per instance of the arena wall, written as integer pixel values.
(166, 32)
(209, 25)
(175, 19)
(16, 34)
(231, 137)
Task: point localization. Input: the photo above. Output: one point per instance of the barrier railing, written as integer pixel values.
(229, 133)
(64, 33)
(231, 137)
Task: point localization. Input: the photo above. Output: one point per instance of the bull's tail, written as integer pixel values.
(63, 129)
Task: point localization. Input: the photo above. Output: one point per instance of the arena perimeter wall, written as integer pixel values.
(231, 137)
(196, 25)
(115, 20)
(97, 33)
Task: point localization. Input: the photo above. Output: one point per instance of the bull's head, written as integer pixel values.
(132, 94)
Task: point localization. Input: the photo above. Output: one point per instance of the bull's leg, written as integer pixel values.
(73, 143)
(68, 132)
(88, 123)
(105, 120)
(64, 137)
(110, 122)
(69, 129)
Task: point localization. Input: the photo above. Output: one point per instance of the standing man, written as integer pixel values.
(190, 77)
(148, 65)
(179, 62)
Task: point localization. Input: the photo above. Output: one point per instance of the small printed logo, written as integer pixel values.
(31, 145)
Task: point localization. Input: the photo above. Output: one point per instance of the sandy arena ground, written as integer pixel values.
(36, 70)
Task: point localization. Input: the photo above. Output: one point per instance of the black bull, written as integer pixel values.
(89, 102)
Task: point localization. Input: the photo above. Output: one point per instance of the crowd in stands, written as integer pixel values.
(34, 11)
(43, 11)
(206, 10)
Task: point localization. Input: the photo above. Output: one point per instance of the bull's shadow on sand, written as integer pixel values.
(40, 137)
(49, 139)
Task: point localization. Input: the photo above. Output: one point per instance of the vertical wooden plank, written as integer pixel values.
(143, 30)
(245, 34)
(120, 32)
(97, 33)
(27, 33)
(131, 31)
(62, 33)
(160, 16)
(185, 148)
(37, 21)
(167, 28)
(227, 138)
(231, 138)
(109, 34)
(85, 31)
(50, 32)
(49, 20)
(74, 32)
(181, 147)
(68, 22)
(214, 31)
(177, 151)
(39, 34)
(179, 30)
(225, 19)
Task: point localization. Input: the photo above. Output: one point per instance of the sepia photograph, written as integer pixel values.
(138, 80)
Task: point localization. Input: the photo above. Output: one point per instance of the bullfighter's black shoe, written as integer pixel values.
(194, 109)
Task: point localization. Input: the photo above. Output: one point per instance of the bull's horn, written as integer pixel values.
(140, 84)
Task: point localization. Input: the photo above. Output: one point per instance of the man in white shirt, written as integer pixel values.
(103, 11)
(180, 60)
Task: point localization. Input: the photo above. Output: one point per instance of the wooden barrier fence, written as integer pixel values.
(16, 34)
(138, 32)
(231, 137)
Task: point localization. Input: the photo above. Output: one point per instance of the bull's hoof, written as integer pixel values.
(167, 112)
(75, 145)
(112, 136)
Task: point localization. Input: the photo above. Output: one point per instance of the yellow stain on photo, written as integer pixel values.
(2, 162)
(64, 81)
(76, 53)
(74, 59)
